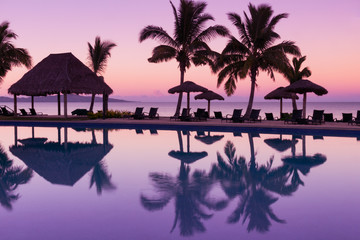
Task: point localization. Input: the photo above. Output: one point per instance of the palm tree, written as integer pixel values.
(98, 58)
(10, 55)
(293, 73)
(191, 198)
(188, 45)
(10, 178)
(254, 51)
(252, 185)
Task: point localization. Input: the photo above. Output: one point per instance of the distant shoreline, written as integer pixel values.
(71, 98)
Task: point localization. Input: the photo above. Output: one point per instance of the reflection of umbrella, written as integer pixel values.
(304, 162)
(187, 87)
(32, 141)
(186, 157)
(209, 95)
(304, 86)
(59, 163)
(208, 139)
(279, 93)
(279, 144)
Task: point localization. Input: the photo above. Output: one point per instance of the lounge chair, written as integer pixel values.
(329, 117)
(285, 116)
(296, 117)
(34, 113)
(138, 113)
(218, 115)
(317, 117)
(357, 119)
(152, 113)
(270, 117)
(235, 117)
(6, 111)
(23, 112)
(254, 116)
(183, 117)
(80, 112)
(346, 117)
(200, 115)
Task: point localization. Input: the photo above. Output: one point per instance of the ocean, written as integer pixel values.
(168, 108)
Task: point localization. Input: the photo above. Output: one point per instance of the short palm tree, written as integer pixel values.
(253, 51)
(293, 73)
(188, 45)
(9, 54)
(98, 58)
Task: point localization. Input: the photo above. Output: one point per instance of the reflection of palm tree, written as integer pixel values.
(10, 178)
(101, 178)
(253, 185)
(190, 194)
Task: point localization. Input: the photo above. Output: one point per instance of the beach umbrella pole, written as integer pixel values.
(209, 107)
(188, 103)
(281, 106)
(304, 105)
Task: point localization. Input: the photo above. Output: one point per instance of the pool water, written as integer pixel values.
(65, 183)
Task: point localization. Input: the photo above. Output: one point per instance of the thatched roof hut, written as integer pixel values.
(60, 73)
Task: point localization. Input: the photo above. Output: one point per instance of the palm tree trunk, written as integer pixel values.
(178, 106)
(92, 102)
(252, 93)
(252, 151)
(294, 102)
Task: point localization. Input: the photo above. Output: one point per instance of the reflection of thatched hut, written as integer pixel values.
(59, 73)
(61, 164)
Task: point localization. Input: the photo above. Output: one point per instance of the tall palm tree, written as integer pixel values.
(253, 51)
(9, 54)
(293, 73)
(98, 57)
(188, 44)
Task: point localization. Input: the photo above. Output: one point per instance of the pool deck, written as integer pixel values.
(164, 123)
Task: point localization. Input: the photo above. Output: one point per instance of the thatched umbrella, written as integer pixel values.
(304, 86)
(59, 73)
(279, 94)
(187, 87)
(279, 144)
(209, 95)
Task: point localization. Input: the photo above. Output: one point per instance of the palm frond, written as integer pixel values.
(162, 53)
(157, 33)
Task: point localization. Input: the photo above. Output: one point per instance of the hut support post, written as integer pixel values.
(105, 107)
(188, 103)
(15, 135)
(209, 108)
(32, 102)
(281, 107)
(59, 105)
(304, 105)
(59, 135)
(65, 138)
(65, 105)
(15, 105)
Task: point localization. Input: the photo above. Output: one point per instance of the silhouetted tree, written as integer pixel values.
(101, 178)
(98, 58)
(188, 44)
(254, 51)
(9, 54)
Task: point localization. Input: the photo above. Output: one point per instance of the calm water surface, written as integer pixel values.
(64, 183)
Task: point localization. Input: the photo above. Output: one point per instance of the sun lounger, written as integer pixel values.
(296, 117)
(357, 119)
(235, 117)
(254, 116)
(80, 112)
(317, 117)
(346, 117)
(34, 113)
(200, 115)
(23, 112)
(152, 114)
(218, 115)
(183, 117)
(138, 113)
(6, 111)
(270, 117)
(329, 117)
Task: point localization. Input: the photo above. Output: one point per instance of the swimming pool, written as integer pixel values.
(88, 183)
